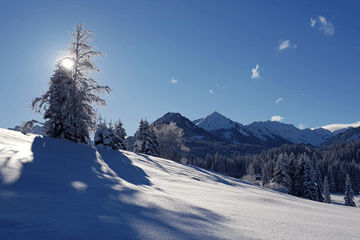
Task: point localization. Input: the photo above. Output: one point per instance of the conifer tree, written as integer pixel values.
(72, 92)
(309, 189)
(281, 170)
(327, 197)
(146, 141)
(331, 179)
(121, 134)
(349, 194)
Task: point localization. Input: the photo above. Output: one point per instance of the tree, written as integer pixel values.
(170, 142)
(68, 102)
(250, 174)
(146, 141)
(349, 194)
(281, 175)
(107, 137)
(327, 197)
(121, 134)
(309, 189)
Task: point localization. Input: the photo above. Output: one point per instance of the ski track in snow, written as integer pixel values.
(56, 189)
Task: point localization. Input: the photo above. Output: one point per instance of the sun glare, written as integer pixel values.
(67, 63)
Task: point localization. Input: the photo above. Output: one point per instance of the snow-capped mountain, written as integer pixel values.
(269, 132)
(345, 136)
(288, 132)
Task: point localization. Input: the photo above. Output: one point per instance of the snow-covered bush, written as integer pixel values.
(108, 139)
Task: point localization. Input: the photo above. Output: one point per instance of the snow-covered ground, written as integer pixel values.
(56, 189)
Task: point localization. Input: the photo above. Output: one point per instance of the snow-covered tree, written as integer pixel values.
(72, 91)
(331, 179)
(281, 171)
(146, 141)
(349, 194)
(327, 197)
(170, 142)
(120, 131)
(250, 174)
(309, 189)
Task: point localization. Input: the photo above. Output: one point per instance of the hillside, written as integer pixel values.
(56, 189)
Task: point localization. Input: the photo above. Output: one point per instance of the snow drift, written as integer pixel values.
(56, 189)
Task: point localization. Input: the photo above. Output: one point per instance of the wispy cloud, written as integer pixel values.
(280, 99)
(211, 91)
(285, 44)
(255, 72)
(325, 26)
(276, 119)
(302, 126)
(173, 80)
(312, 22)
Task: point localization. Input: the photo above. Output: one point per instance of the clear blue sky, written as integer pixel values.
(209, 47)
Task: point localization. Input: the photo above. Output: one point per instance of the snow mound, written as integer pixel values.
(56, 189)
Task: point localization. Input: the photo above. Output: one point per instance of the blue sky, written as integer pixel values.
(210, 48)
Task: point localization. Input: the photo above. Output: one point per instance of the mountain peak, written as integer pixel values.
(215, 121)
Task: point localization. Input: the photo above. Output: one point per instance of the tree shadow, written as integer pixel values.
(74, 191)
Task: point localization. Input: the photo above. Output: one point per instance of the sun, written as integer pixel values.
(67, 63)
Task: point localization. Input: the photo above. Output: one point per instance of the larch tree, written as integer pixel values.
(68, 103)
(170, 142)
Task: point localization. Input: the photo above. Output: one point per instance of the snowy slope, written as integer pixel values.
(56, 189)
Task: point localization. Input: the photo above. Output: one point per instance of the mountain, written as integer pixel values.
(345, 136)
(269, 132)
(35, 130)
(52, 188)
(190, 129)
(225, 129)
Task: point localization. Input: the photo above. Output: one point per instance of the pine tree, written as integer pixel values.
(327, 197)
(281, 170)
(319, 182)
(69, 113)
(146, 141)
(121, 134)
(309, 189)
(331, 179)
(349, 194)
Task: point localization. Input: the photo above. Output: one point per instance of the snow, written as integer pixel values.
(354, 137)
(61, 190)
(216, 121)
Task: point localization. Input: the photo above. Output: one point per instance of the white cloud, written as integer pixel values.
(325, 26)
(338, 126)
(312, 22)
(280, 99)
(255, 72)
(285, 44)
(302, 126)
(276, 119)
(173, 80)
(211, 91)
